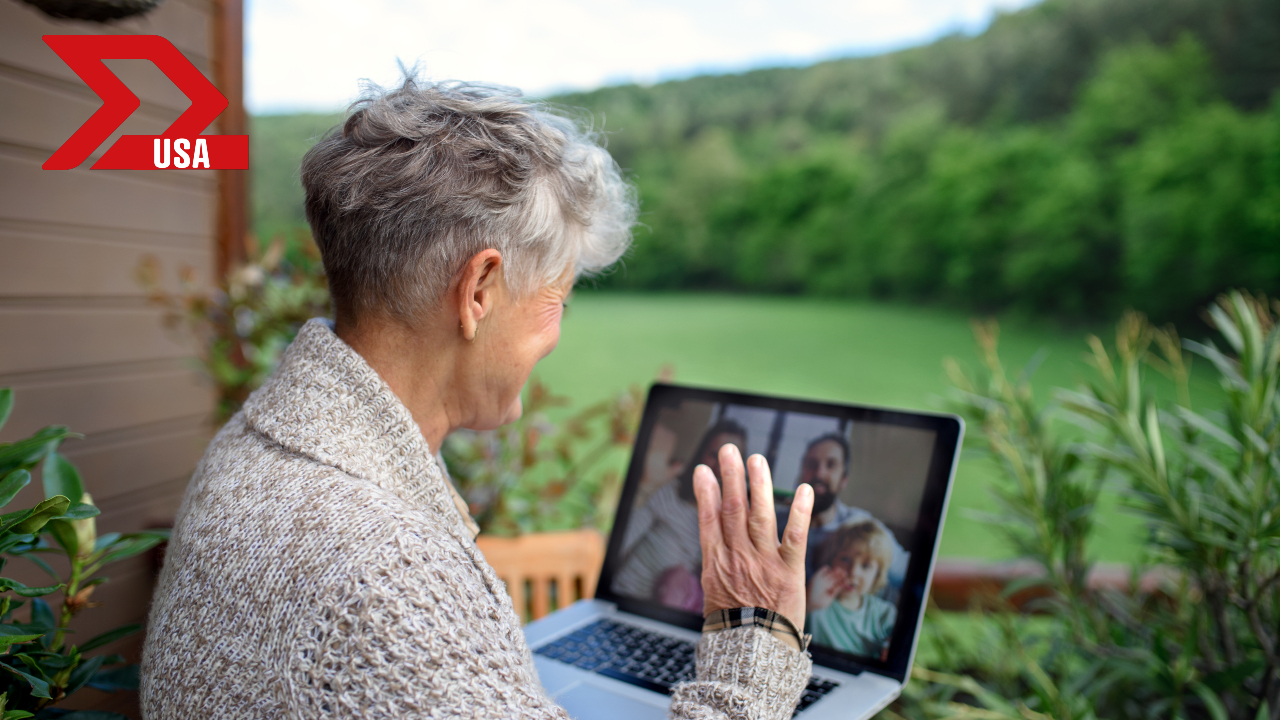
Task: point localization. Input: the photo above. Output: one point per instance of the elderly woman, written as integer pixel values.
(321, 565)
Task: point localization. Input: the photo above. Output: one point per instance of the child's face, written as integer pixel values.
(859, 569)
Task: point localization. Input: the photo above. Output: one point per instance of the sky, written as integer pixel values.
(313, 54)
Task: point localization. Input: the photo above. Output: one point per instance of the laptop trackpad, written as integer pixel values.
(587, 702)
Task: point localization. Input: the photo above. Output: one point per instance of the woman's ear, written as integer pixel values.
(479, 284)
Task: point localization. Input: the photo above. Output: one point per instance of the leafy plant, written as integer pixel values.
(242, 326)
(1202, 642)
(538, 475)
(38, 666)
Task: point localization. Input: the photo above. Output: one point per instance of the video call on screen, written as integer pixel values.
(868, 479)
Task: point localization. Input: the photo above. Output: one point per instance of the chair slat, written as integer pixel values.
(538, 558)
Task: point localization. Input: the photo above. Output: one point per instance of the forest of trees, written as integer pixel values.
(1076, 157)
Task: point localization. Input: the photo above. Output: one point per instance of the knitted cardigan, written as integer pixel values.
(320, 569)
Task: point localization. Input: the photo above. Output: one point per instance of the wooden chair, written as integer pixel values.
(546, 571)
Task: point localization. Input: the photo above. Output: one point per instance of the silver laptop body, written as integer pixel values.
(618, 655)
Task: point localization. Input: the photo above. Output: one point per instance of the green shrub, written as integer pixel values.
(1205, 641)
(39, 667)
(242, 326)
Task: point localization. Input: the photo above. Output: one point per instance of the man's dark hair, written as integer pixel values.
(837, 438)
(723, 427)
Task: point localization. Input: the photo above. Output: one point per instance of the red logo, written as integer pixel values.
(181, 146)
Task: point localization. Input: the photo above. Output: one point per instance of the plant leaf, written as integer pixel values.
(9, 545)
(104, 540)
(21, 633)
(9, 520)
(41, 514)
(41, 615)
(39, 688)
(62, 478)
(47, 661)
(23, 590)
(8, 640)
(15, 715)
(11, 484)
(31, 592)
(26, 453)
(79, 511)
(130, 545)
(40, 563)
(1017, 585)
(1232, 677)
(110, 636)
(1203, 424)
(65, 535)
(6, 405)
(1212, 702)
(121, 678)
(84, 673)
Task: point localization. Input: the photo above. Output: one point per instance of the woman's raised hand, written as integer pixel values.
(743, 564)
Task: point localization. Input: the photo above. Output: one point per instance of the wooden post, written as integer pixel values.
(233, 185)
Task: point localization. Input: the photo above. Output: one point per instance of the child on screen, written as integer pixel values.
(845, 612)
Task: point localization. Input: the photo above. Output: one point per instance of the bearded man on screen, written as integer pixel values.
(825, 467)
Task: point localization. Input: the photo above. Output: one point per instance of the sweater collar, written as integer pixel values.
(327, 403)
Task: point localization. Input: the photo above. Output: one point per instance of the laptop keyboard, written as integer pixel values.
(646, 659)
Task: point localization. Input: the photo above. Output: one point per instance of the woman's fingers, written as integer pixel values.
(764, 523)
(795, 537)
(707, 492)
(743, 565)
(733, 503)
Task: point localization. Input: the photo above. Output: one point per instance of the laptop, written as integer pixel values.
(881, 482)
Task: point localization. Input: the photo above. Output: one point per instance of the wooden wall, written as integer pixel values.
(79, 343)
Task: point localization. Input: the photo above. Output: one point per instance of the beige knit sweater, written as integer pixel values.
(319, 569)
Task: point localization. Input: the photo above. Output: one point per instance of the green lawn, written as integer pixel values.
(862, 352)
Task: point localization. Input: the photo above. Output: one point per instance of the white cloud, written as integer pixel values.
(311, 54)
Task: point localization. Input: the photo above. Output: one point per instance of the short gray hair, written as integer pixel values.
(422, 177)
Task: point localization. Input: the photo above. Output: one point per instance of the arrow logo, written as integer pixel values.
(84, 55)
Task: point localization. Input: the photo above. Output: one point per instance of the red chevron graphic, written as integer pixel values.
(84, 55)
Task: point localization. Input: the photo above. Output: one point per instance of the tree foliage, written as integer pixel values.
(1078, 157)
(1152, 191)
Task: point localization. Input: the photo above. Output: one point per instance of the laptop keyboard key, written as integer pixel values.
(634, 680)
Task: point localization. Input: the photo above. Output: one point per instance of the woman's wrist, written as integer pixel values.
(774, 623)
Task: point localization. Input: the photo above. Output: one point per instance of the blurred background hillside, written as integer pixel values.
(1076, 158)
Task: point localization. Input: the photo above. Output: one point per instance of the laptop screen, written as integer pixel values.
(880, 481)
